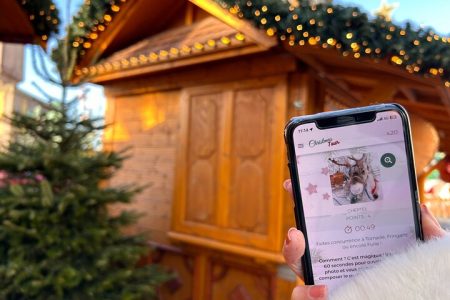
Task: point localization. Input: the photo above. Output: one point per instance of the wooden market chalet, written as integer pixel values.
(202, 97)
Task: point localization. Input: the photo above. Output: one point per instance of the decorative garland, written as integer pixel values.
(350, 31)
(92, 19)
(43, 15)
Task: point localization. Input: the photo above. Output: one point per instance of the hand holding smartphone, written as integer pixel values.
(354, 187)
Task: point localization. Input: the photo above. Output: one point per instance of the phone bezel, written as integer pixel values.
(292, 165)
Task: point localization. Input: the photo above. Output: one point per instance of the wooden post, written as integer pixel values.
(200, 274)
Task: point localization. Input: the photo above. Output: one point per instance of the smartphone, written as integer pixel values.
(355, 189)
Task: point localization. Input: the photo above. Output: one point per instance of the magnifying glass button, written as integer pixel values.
(388, 160)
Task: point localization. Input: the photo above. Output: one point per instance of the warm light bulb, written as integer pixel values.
(225, 40)
(239, 36)
(312, 41)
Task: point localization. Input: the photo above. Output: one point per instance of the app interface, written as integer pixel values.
(356, 195)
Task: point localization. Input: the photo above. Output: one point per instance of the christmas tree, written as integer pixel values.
(57, 239)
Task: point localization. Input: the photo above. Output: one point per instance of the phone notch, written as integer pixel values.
(338, 121)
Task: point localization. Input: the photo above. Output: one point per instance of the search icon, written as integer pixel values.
(388, 160)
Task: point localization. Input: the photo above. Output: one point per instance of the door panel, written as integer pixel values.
(229, 167)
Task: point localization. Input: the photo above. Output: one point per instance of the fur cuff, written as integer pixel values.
(422, 272)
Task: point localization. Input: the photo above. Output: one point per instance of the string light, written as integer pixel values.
(397, 60)
(211, 43)
(357, 46)
(143, 58)
(331, 41)
(312, 41)
(225, 40)
(433, 71)
(240, 37)
(153, 56)
(134, 61)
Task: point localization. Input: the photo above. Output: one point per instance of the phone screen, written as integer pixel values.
(356, 195)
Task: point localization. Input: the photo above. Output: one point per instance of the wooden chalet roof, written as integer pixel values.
(15, 26)
(354, 82)
(208, 38)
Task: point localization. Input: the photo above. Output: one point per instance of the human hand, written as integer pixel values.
(294, 248)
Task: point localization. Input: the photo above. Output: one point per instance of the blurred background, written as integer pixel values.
(199, 91)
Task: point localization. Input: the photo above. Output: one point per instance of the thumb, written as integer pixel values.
(304, 292)
(430, 226)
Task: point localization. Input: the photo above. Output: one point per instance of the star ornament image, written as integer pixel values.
(312, 188)
(386, 9)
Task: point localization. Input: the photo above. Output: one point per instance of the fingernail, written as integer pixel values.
(317, 291)
(290, 234)
(424, 208)
(286, 184)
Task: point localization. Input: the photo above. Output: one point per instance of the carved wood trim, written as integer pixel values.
(256, 254)
(248, 29)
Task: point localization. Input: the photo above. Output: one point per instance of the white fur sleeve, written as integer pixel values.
(422, 272)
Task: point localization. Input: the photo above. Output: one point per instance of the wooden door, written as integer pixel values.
(230, 163)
